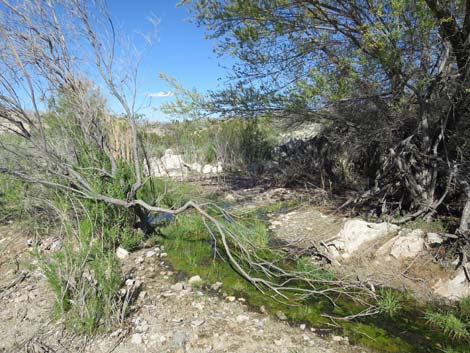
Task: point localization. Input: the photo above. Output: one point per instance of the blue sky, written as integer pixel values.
(180, 50)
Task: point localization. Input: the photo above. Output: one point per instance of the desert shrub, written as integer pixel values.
(84, 275)
(233, 142)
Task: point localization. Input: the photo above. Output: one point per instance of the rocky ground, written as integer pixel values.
(378, 253)
(171, 314)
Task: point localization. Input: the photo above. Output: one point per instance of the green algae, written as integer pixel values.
(191, 251)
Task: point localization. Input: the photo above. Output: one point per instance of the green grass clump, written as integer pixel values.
(464, 308)
(450, 325)
(131, 239)
(390, 302)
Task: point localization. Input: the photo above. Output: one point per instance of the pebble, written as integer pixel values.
(139, 260)
(116, 333)
(196, 323)
(216, 286)
(143, 328)
(122, 253)
(230, 298)
(137, 338)
(281, 316)
(150, 253)
(195, 280)
(177, 287)
(178, 339)
(302, 326)
(242, 318)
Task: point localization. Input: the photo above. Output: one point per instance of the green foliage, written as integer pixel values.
(130, 239)
(173, 194)
(312, 272)
(233, 142)
(436, 226)
(450, 325)
(12, 193)
(390, 301)
(84, 275)
(186, 226)
(464, 308)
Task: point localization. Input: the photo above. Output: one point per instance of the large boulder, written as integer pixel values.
(207, 169)
(304, 132)
(172, 165)
(356, 233)
(408, 244)
(454, 288)
(169, 165)
(196, 167)
(171, 160)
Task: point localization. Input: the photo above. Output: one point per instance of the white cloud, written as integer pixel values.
(161, 94)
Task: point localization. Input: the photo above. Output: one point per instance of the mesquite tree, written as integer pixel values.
(392, 76)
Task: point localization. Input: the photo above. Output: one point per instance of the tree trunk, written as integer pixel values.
(465, 219)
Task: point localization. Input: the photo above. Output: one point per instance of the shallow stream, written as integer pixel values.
(406, 331)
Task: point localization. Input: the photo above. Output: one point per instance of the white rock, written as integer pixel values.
(197, 323)
(455, 288)
(207, 169)
(196, 167)
(383, 253)
(177, 287)
(137, 338)
(150, 253)
(281, 316)
(143, 328)
(229, 198)
(357, 232)
(195, 280)
(170, 164)
(122, 253)
(230, 298)
(409, 245)
(216, 286)
(434, 238)
(171, 160)
(242, 318)
(302, 326)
